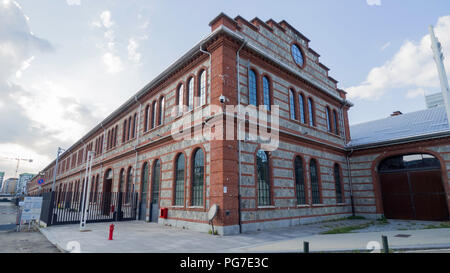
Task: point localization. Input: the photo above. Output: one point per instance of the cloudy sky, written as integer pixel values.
(66, 64)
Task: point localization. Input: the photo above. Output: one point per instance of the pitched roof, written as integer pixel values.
(416, 124)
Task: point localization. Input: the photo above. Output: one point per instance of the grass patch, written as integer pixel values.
(347, 229)
(382, 220)
(441, 225)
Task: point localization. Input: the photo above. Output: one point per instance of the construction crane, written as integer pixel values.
(18, 162)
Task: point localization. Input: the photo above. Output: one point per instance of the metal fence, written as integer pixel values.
(60, 208)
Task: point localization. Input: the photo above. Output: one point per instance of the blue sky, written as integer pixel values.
(78, 60)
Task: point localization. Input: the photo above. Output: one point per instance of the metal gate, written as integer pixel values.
(65, 207)
(415, 195)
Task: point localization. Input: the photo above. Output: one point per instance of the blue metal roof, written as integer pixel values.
(415, 124)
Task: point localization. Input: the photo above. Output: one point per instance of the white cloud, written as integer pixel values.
(386, 45)
(411, 67)
(105, 16)
(133, 54)
(73, 2)
(25, 65)
(373, 2)
(112, 62)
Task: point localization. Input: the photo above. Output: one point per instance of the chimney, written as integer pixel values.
(396, 113)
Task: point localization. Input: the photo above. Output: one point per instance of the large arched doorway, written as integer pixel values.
(412, 188)
(107, 186)
(144, 189)
(154, 202)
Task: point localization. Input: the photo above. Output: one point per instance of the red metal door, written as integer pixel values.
(396, 196)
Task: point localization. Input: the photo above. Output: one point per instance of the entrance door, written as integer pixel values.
(412, 188)
(155, 192)
(107, 185)
(144, 189)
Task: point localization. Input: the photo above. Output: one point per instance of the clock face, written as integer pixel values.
(297, 55)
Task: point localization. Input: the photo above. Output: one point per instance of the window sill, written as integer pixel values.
(318, 205)
(266, 207)
(303, 206)
(195, 207)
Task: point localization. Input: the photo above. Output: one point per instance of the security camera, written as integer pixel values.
(222, 99)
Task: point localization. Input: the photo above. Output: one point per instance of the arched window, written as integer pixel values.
(129, 128)
(315, 190)
(129, 184)
(252, 93)
(180, 95)
(336, 123)
(190, 94)
(262, 164)
(408, 162)
(329, 126)
(161, 111)
(97, 182)
(133, 133)
(147, 113)
(144, 182)
(311, 112)
(292, 104)
(266, 92)
(202, 88)
(179, 180)
(115, 136)
(124, 132)
(299, 181)
(197, 178)
(301, 105)
(297, 55)
(153, 115)
(338, 184)
(122, 186)
(155, 181)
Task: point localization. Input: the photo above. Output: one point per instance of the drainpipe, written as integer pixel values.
(349, 171)
(137, 128)
(239, 134)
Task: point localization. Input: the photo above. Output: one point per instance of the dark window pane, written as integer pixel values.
(301, 104)
(311, 112)
(314, 182)
(299, 181)
(252, 88)
(155, 182)
(266, 92)
(179, 181)
(297, 55)
(413, 161)
(292, 105)
(263, 178)
(198, 175)
(338, 185)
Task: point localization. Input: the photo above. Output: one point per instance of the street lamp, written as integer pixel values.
(60, 151)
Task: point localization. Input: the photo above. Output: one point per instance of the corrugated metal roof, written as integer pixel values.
(420, 123)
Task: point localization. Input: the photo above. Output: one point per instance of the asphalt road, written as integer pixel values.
(20, 242)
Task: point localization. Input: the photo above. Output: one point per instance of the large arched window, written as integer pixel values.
(124, 131)
(299, 181)
(329, 126)
(292, 104)
(315, 188)
(134, 126)
(202, 88)
(180, 95)
(179, 180)
(301, 106)
(252, 93)
(266, 92)
(311, 112)
(336, 123)
(129, 184)
(408, 162)
(122, 185)
(197, 178)
(338, 184)
(155, 181)
(262, 164)
(161, 111)
(190, 94)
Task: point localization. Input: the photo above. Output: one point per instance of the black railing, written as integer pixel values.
(65, 207)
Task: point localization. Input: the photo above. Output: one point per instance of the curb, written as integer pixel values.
(62, 250)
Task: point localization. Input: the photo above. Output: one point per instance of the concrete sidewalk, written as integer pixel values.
(138, 237)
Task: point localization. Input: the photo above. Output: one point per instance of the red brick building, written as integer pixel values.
(245, 63)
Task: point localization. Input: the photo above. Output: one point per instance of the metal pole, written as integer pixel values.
(306, 247)
(56, 168)
(87, 188)
(385, 244)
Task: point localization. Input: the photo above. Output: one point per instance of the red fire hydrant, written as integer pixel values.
(112, 208)
(111, 231)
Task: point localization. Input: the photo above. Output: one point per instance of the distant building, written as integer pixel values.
(434, 100)
(2, 175)
(10, 186)
(24, 178)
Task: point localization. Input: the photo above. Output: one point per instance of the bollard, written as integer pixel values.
(111, 231)
(385, 244)
(306, 247)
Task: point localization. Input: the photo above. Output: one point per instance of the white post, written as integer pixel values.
(439, 59)
(86, 191)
